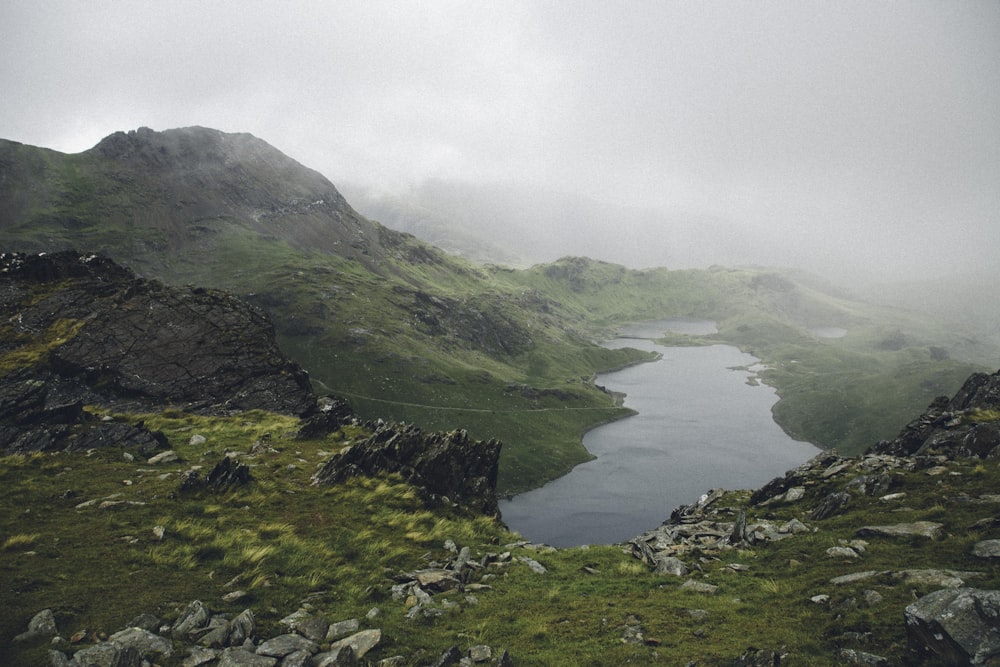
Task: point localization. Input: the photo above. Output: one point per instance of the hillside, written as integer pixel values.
(404, 331)
(246, 523)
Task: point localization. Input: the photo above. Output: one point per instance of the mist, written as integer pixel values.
(858, 140)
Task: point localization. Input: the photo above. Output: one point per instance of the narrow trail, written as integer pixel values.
(458, 409)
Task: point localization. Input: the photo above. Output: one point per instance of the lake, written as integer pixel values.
(701, 425)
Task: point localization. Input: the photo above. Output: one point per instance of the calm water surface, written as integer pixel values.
(700, 426)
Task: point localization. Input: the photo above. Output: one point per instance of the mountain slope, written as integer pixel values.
(404, 331)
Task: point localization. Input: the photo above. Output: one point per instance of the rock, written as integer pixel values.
(699, 587)
(331, 414)
(849, 656)
(138, 345)
(99, 655)
(196, 440)
(533, 565)
(987, 549)
(831, 505)
(41, 626)
(240, 657)
(193, 617)
(145, 621)
(755, 657)
(127, 657)
(297, 659)
(841, 552)
(198, 656)
(360, 642)
(444, 465)
(143, 641)
(282, 645)
(957, 626)
(311, 626)
(451, 656)
(480, 653)
(168, 456)
(936, 578)
(928, 529)
(341, 629)
(242, 628)
(670, 565)
(854, 577)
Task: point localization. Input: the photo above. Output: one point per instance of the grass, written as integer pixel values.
(282, 540)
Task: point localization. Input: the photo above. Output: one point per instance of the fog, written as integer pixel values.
(854, 139)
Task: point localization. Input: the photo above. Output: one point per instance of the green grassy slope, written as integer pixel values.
(406, 332)
(282, 541)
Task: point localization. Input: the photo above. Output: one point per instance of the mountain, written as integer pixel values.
(404, 331)
(195, 521)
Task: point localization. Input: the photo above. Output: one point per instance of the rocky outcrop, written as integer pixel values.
(449, 467)
(81, 330)
(950, 426)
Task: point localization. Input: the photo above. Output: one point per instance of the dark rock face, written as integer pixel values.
(942, 427)
(81, 330)
(956, 626)
(444, 465)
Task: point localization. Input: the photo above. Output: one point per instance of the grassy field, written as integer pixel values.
(282, 541)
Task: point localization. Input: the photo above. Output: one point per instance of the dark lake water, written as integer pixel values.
(701, 425)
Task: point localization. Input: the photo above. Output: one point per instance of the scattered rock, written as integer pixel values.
(987, 549)
(928, 529)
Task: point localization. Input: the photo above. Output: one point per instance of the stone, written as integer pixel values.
(360, 642)
(143, 641)
(240, 657)
(446, 466)
(928, 529)
(533, 565)
(957, 626)
(194, 616)
(41, 626)
(451, 656)
(168, 456)
(297, 659)
(127, 657)
(242, 628)
(311, 626)
(341, 629)
(831, 505)
(100, 655)
(850, 656)
(699, 587)
(854, 577)
(841, 552)
(198, 656)
(669, 565)
(282, 645)
(480, 653)
(987, 549)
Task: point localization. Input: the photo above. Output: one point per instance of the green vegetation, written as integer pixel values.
(405, 332)
(281, 541)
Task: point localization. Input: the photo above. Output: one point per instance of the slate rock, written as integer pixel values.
(41, 625)
(448, 466)
(194, 616)
(240, 657)
(955, 626)
(342, 629)
(282, 645)
(670, 565)
(928, 529)
(360, 642)
(311, 626)
(143, 641)
(831, 505)
(987, 549)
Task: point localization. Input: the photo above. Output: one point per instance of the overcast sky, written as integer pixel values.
(846, 131)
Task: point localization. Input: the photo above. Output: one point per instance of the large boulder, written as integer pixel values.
(448, 466)
(955, 626)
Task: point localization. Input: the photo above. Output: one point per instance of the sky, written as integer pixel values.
(840, 136)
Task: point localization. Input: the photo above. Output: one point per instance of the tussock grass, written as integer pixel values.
(20, 541)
